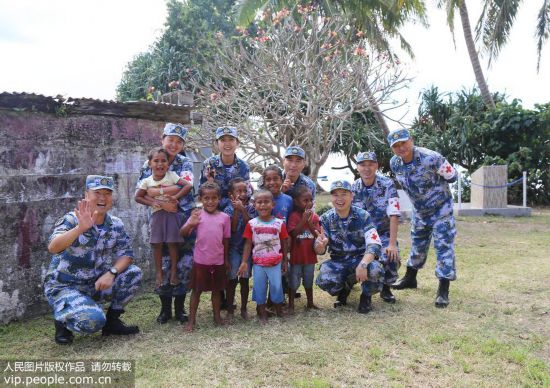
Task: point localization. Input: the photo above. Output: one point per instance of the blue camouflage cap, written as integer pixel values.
(96, 182)
(398, 135)
(341, 184)
(171, 129)
(221, 131)
(363, 156)
(295, 151)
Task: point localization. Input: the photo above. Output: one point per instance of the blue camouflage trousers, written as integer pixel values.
(334, 275)
(183, 270)
(76, 304)
(390, 267)
(443, 229)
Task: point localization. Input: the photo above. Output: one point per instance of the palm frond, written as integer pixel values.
(500, 18)
(543, 28)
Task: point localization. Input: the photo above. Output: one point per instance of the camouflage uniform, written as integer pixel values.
(184, 168)
(381, 201)
(349, 241)
(239, 169)
(426, 181)
(70, 280)
(302, 180)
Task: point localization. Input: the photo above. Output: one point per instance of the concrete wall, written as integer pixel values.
(44, 160)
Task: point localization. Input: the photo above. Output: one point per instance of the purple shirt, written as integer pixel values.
(211, 231)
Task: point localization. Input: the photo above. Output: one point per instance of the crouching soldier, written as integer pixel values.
(354, 247)
(91, 263)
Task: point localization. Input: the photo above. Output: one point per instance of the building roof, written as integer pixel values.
(59, 105)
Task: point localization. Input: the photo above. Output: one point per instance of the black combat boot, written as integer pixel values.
(342, 298)
(179, 309)
(407, 281)
(63, 336)
(115, 326)
(365, 304)
(386, 294)
(442, 298)
(165, 309)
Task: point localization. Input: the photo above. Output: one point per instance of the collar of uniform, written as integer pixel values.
(374, 184)
(352, 214)
(415, 159)
(219, 163)
(108, 221)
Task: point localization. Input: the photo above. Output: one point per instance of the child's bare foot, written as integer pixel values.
(263, 320)
(189, 327)
(290, 310)
(158, 280)
(220, 322)
(313, 307)
(244, 314)
(229, 317)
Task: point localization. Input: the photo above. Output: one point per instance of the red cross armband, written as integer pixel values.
(187, 176)
(446, 170)
(393, 209)
(372, 237)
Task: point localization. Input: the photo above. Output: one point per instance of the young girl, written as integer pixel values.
(272, 178)
(173, 141)
(268, 235)
(303, 227)
(211, 253)
(164, 224)
(240, 212)
(225, 166)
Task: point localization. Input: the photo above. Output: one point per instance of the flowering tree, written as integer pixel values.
(296, 81)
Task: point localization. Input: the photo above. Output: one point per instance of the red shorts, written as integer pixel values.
(208, 277)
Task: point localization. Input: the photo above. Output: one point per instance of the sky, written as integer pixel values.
(80, 48)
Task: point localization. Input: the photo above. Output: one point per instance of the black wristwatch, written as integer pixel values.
(114, 271)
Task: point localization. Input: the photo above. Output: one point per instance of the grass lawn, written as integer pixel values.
(495, 332)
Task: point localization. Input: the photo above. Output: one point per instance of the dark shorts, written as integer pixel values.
(208, 277)
(165, 227)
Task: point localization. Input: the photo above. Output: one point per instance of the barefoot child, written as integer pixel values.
(268, 235)
(211, 253)
(164, 224)
(303, 227)
(240, 212)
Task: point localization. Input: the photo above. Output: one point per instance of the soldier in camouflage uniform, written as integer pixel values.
(91, 263)
(225, 166)
(293, 164)
(377, 195)
(173, 141)
(425, 176)
(354, 247)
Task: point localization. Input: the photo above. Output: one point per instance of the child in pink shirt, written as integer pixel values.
(211, 253)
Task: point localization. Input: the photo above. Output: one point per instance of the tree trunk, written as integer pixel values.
(378, 116)
(484, 89)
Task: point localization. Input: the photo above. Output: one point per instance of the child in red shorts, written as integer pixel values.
(303, 228)
(211, 253)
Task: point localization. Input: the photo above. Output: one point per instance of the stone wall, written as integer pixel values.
(44, 159)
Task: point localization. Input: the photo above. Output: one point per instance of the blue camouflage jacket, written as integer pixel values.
(426, 180)
(224, 174)
(380, 200)
(92, 253)
(351, 237)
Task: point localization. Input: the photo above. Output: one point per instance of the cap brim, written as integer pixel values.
(397, 141)
(101, 187)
